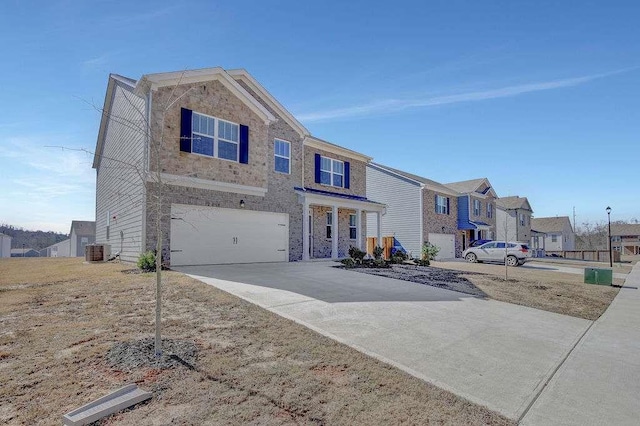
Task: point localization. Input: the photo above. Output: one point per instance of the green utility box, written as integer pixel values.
(598, 276)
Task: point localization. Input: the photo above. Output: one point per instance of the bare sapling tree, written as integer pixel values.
(148, 174)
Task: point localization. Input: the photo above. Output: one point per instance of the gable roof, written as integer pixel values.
(627, 229)
(428, 183)
(114, 80)
(471, 186)
(550, 224)
(83, 228)
(243, 75)
(153, 81)
(513, 203)
(313, 142)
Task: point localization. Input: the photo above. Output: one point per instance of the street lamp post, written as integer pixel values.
(610, 251)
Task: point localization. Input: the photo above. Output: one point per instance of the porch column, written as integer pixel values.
(379, 231)
(305, 230)
(359, 229)
(334, 232)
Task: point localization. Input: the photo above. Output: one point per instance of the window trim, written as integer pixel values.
(354, 226)
(444, 206)
(331, 172)
(329, 227)
(216, 138)
(479, 209)
(275, 141)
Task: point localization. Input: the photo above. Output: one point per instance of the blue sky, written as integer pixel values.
(541, 97)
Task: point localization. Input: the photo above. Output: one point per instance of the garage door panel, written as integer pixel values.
(210, 235)
(446, 243)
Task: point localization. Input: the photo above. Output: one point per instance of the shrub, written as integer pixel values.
(380, 263)
(356, 254)
(377, 252)
(147, 261)
(429, 251)
(398, 256)
(422, 262)
(348, 262)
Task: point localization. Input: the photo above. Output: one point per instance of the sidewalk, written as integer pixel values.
(600, 381)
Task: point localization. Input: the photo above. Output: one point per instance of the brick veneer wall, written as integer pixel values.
(357, 169)
(434, 222)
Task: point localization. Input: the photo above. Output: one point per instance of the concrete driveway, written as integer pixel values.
(493, 353)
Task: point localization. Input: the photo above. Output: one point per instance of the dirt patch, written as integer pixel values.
(448, 279)
(61, 319)
(131, 355)
(551, 291)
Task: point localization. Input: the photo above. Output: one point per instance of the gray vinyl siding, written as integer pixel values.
(404, 208)
(119, 186)
(501, 216)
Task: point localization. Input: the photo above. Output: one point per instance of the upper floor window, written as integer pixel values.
(476, 207)
(489, 210)
(522, 219)
(282, 151)
(214, 137)
(331, 172)
(442, 204)
(554, 238)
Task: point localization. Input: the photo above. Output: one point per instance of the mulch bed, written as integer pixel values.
(427, 275)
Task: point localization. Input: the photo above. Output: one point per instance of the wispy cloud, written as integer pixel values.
(386, 106)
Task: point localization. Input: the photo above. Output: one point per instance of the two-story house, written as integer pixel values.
(476, 210)
(217, 166)
(553, 233)
(625, 238)
(418, 210)
(513, 219)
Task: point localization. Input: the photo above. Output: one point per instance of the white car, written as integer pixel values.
(495, 251)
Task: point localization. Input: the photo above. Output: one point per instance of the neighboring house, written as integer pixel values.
(61, 249)
(513, 219)
(24, 252)
(625, 238)
(418, 210)
(241, 180)
(553, 233)
(82, 233)
(476, 210)
(5, 245)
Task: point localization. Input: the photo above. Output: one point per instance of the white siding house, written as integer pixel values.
(556, 233)
(120, 190)
(403, 197)
(5, 245)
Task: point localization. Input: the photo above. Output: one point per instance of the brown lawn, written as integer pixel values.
(60, 317)
(552, 291)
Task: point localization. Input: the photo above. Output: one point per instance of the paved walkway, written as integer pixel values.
(599, 384)
(496, 354)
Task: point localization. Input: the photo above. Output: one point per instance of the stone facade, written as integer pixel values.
(321, 245)
(482, 217)
(435, 222)
(213, 98)
(358, 170)
(283, 202)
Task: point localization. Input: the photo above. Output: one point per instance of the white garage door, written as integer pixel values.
(447, 244)
(212, 235)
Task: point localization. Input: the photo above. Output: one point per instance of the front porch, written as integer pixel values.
(334, 222)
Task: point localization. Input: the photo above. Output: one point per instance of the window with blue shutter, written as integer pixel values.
(213, 137)
(332, 172)
(185, 130)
